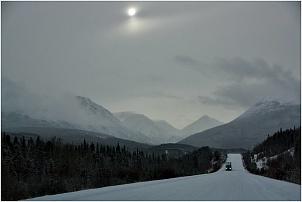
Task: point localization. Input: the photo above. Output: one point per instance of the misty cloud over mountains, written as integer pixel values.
(253, 80)
(62, 107)
(22, 108)
(245, 81)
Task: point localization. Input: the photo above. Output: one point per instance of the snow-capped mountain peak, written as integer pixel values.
(266, 106)
(92, 108)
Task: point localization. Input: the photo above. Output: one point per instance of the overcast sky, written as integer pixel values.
(175, 61)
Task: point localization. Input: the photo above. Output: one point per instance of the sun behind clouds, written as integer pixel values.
(131, 11)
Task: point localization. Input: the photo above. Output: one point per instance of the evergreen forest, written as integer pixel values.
(33, 167)
(280, 155)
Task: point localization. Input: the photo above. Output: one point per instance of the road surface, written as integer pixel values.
(237, 184)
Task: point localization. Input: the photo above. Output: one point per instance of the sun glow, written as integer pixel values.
(131, 12)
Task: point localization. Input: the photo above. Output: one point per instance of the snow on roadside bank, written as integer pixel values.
(262, 162)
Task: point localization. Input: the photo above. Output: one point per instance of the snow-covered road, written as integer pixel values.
(222, 185)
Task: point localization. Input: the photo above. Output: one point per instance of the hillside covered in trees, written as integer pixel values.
(279, 156)
(35, 168)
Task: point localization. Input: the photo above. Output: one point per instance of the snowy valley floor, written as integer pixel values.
(222, 185)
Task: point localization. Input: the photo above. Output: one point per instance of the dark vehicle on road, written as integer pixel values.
(228, 166)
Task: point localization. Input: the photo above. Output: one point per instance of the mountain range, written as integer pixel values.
(252, 127)
(22, 111)
(161, 131)
(142, 124)
(81, 113)
(88, 117)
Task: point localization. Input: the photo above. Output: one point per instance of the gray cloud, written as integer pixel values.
(252, 81)
(209, 100)
(239, 69)
(187, 61)
(160, 95)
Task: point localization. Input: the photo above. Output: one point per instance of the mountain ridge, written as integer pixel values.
(142, 124)
(250, 128)
(202, 124)
(21, 108)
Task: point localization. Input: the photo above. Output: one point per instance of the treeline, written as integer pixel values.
(35, 168)
(281, 154)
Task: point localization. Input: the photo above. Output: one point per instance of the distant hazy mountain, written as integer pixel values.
(19, 119)
(252, 127)
(200, 125)
(89, 116)
(142, 124)
(23, 109)
(164, 125)
(161, 131)
(101, 120)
